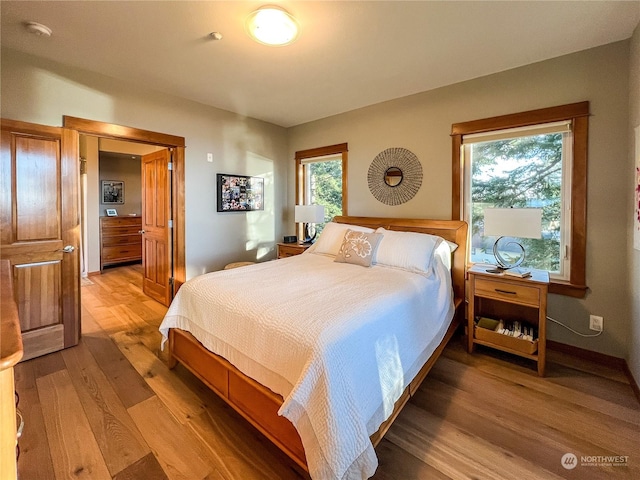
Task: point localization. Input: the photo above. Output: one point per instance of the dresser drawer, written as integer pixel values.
(122, 253)
(121, 240)
(111, 231)
(121, 221)
(507, 292)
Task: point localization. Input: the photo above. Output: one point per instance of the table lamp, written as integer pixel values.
(309, 215)
(512, 222)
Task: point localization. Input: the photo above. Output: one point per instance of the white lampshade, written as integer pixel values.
(513, 222)
(309, 213)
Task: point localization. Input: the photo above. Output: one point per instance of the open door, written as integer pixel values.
(156, 231)
(40, 232)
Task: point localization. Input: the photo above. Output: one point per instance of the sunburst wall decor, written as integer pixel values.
(410, 176)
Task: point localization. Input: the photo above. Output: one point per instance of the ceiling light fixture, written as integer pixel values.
(272, 25)
(38, 29)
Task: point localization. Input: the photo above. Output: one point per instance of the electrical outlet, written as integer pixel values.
(596, 323)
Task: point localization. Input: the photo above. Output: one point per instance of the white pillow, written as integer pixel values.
(445, 252)
(332, 236)
(452, 246)
(410, 251)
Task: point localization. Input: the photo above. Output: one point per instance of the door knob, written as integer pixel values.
(68, 249)
(141, 232)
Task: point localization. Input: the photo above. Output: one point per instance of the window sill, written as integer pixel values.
(560, 287)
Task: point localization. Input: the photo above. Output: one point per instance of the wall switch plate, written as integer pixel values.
(596, 323)
(209, 157)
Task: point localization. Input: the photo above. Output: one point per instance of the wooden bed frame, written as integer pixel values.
(259, 405)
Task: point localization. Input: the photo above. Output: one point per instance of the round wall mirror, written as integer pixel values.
(393, 176)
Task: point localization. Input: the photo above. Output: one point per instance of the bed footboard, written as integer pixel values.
(256, 403)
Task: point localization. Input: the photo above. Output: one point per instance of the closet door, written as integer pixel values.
(40, 232)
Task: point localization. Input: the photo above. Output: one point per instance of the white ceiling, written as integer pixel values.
(348, 55)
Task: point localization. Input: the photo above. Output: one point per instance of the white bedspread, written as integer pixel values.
(339, 342)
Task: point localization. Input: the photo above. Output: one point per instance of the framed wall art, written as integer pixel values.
(113, 191)
(240, 193)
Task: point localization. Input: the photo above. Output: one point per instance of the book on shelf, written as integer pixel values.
(518, 272)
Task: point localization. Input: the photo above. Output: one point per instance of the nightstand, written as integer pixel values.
(290, 249)
(511, 299)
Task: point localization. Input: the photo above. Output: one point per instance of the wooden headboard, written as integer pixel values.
(453, 230)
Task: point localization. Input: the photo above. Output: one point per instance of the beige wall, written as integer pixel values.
(39, 91)
(422, 123)
(633, 359)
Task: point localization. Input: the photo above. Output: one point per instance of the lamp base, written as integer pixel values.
(502, 262)
(309, 233)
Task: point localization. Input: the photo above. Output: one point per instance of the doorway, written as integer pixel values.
(173, 262)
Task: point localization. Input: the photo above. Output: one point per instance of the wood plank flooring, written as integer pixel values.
(111, 409)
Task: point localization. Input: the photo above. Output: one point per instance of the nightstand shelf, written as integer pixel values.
(502, 297)
(291, 249)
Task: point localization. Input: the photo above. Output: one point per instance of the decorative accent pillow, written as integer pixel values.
(407, 250)
(332, 236)
(358, 248)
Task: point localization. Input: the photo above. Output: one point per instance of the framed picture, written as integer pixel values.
(112, 191)
(239, 193)
(111, 212)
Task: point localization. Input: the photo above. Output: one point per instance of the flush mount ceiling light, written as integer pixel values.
(38, 29)
(272, 25)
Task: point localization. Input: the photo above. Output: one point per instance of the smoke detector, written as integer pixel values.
(38, 29)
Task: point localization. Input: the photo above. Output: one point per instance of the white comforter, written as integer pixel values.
(339, 342)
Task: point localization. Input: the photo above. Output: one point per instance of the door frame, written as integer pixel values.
(130, 134)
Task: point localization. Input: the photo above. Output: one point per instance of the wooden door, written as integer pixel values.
(40, 232)
(156, 234)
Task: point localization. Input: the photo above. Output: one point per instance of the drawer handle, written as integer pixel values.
(20, 425)
(507, 292)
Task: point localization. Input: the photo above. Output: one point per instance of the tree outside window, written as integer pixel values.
(325, 188)
(322, 180)
(520, 172)
(528, 159)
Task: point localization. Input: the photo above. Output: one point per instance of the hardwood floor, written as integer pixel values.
(110, 409)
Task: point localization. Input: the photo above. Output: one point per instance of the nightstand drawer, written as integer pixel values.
(289, 250)
(507, 292)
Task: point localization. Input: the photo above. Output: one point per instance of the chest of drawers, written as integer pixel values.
(120, 240)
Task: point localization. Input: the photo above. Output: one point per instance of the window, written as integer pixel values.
(322, 179)
(532, 159)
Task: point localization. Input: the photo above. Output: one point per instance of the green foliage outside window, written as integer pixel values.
(519, 172)
(325, 183)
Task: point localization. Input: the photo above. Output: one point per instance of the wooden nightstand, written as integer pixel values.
(290, 249)
(503, 297)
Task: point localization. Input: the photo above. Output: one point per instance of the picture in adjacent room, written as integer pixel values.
(112, 191)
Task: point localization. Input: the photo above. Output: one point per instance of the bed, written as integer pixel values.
(340, 350)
